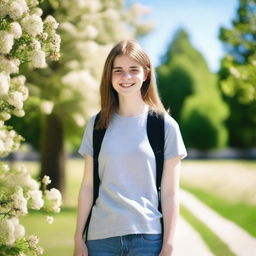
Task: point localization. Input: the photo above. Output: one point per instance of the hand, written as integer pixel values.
(167, 250)
(80, 248)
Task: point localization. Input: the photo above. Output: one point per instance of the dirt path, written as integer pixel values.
(188, 242)
(239, 241)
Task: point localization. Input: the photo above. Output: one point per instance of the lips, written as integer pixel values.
(126, 85)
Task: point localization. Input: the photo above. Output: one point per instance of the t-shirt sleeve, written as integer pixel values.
(86, 147)
(174, 145)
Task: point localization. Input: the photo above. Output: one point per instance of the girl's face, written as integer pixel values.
(127, 76)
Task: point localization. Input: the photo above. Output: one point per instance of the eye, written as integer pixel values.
(117, 70)
(135, 70)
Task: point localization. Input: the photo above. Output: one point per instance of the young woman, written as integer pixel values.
(125, 219)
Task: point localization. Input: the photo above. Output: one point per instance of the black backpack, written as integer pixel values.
(156, 135)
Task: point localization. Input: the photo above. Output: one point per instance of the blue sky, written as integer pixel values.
(200, 18)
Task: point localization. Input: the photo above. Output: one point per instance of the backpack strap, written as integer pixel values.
(156, 137)
(98, 135)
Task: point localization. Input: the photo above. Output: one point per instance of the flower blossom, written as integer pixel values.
(33, 24)
(6, 41)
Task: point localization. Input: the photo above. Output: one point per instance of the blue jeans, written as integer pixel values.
(128, 245)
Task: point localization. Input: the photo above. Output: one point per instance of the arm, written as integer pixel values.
(84, 206)
(170, 202)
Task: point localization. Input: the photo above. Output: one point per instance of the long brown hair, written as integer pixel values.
(109, 97)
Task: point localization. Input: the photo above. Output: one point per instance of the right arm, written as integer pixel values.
(85, 201)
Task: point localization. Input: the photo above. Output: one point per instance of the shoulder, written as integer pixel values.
(170, 121)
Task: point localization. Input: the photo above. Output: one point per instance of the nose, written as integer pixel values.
(126, 75)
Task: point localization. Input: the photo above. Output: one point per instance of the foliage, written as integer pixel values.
(238, 66)
(189, 89)
(237, 75)
(202, 123)
(24, 38)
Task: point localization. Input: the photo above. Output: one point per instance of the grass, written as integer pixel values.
(242, 214)
(57, 238)
(216, 245)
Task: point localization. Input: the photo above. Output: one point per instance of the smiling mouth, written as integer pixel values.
(126, 85)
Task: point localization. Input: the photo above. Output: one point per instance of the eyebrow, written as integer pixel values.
(122, 67)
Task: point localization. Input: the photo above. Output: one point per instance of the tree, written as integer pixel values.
(22, 40)
(70, 87)
(237, 75)
(189, 89)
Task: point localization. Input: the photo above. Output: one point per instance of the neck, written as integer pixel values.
(131, 108)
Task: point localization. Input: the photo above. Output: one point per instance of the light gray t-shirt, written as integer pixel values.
(128, 200)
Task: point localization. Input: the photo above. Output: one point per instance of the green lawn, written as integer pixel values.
(57, 238)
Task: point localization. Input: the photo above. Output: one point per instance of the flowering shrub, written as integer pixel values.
(24, 38)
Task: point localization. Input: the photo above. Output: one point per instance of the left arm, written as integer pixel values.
(170, 202)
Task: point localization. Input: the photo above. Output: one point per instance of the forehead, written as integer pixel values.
(125, 61)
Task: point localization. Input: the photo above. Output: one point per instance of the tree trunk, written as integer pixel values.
(52, 153)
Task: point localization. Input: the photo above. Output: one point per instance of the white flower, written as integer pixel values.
(44, 36)
(53, 200)
(91, 31)
(23, 5)
(49, 219)
(112, 14)
(4, 83)
(18, 81)
(51, 22)
(38, 11)
(22, 178)
(33, 24)
(46, 180)
(38, 59)
(16, 99)
(19, 202)
(35, 45)
(6, 42)
(9, 143)
(19, 231)
(9, 65)
(33, 241)
(7, 230)
(79, 119)
(47, 107)
(5, 116)
(16, 30)
(15, 11)
(2, 148)
(39, 251)
(18, 112)
(55, 42)
(24, 91)
(35, 200)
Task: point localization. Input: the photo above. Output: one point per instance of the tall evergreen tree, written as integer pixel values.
(189, 89)
(238, 76)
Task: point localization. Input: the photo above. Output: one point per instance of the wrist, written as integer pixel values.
(78, 236)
